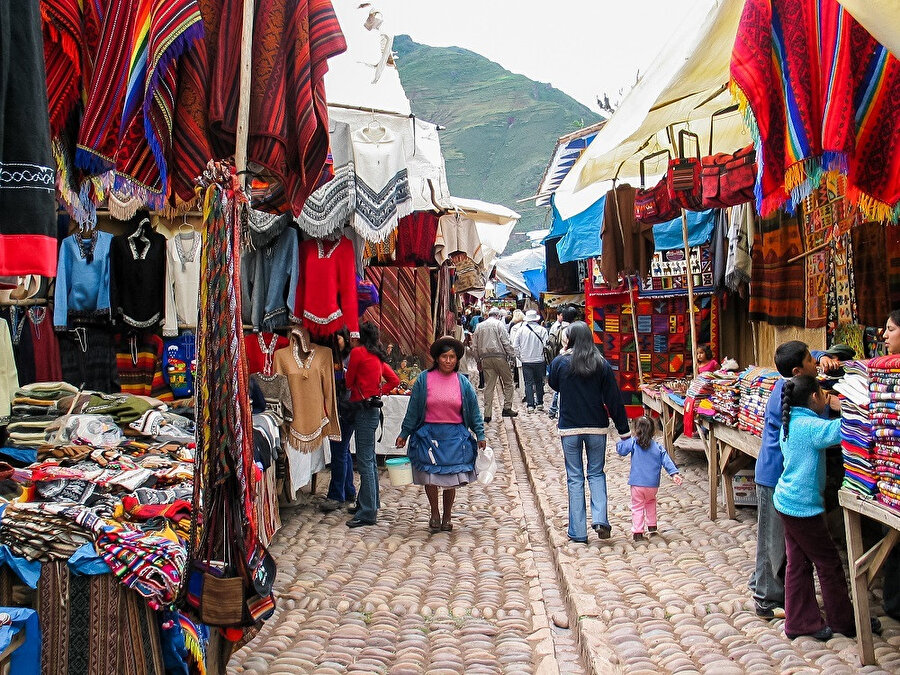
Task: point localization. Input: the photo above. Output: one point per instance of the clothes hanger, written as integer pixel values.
(185, 230)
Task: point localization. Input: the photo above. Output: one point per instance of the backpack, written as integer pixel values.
(552, 347)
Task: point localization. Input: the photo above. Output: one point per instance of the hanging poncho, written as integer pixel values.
(382, 183)
(27, 179)
(329, 207)
(819, 94)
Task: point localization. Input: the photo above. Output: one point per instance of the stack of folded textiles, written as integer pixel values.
(34, 408)
(884, 412)
(857, 438)
(726, 398)
(755, 385)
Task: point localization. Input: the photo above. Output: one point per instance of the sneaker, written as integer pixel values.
(540, 407)
(603, 531)
(529, 409)
(508, 412)
(329, 505)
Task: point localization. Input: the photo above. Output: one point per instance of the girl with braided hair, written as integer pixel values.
(799, 500)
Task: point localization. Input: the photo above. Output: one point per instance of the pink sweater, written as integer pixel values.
(443, 404)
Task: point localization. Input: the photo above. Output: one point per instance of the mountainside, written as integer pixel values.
(501, 128)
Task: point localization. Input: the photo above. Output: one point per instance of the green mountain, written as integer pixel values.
(501, 128)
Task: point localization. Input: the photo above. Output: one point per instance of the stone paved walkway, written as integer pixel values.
(678, 603)
(487, 597)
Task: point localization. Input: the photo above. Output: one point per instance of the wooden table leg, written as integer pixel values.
(859, 588)
(667, 429)
(713, 472)
(727, 480)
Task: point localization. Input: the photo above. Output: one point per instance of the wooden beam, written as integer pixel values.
(690, 289)
(246, 74)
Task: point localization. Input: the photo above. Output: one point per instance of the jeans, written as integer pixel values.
(595, 445)
(808, 544)
(496, 367)
(643, 508)
(366, 424)
(554, 404)
(341, 487)
(534, 383)
(767, 582)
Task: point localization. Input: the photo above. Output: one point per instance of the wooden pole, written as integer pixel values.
(690, 289)
(243, 120)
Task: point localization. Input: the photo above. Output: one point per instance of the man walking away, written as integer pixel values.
(493, 351)
(555, 340)
(529, 342)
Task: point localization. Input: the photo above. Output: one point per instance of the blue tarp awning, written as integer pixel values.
(536, 280)
(580, 233)
(668, 236)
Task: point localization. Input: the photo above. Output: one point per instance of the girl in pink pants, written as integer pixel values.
(647, 459)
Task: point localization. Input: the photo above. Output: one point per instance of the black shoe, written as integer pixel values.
(487, 420)
(509, 412)
(329, 505)
(353, 509)
(822, 635)
(874, 622)
(637, 536)
(652, 529)
(355, 522)
(603, 531)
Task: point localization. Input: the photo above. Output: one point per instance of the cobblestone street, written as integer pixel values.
(499, 593)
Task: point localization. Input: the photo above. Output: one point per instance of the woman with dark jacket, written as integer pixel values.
(588, 397)
(368, 379)
(443, 413)
(341, 489)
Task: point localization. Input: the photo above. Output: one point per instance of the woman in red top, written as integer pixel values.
(368, 378)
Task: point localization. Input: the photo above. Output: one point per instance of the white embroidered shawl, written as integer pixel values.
(330, 206)
(457, 233)
(382, 184)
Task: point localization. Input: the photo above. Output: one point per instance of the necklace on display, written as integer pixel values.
(86, 246)
(268, 352)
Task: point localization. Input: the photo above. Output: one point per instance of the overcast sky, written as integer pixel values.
(583, 47)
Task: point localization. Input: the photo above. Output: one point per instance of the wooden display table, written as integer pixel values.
(864, 565)
(729, 451)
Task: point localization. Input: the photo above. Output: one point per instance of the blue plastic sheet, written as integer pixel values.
(582, 232)
(667, 236)
(86, 562)
(26, 660)
(29, 572)
(22, 455)
(536, 280)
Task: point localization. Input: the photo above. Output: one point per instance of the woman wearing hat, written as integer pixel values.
(443, 414)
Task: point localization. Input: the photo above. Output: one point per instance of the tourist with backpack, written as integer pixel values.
(529, 343)
(555, 346)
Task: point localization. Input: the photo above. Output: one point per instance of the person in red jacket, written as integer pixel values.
(368, 379)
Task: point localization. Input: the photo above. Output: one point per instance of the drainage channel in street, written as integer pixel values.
(568, 655)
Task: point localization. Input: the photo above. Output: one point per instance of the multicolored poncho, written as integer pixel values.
(819, 95)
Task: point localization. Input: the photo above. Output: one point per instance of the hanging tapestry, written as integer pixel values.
(876, 268)
(405, 313)
(841, 292)
(778, 289)
(663, 334)
(668, 272)
(819, 94)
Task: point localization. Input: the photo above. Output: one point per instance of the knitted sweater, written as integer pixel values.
(82, 286)
(415, 411)
(326, 298)
(646, 462)
(138, 276)
(801, 487)
(587, 403)
(182, 282)
(365, 373)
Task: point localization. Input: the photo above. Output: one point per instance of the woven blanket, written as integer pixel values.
(819, 94)
(405, 312)
(135, 75)
(382, 183)
(779, 287)
(292, 41)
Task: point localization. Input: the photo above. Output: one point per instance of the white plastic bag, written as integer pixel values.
(485, 465)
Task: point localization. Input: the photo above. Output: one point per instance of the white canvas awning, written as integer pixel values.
(509, 268)
(880, 17)
(494, 223)
(683, 86)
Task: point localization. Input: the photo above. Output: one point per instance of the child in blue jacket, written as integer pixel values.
(647, 459)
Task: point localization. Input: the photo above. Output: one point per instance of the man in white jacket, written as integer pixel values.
(529, 342)
(493, 352)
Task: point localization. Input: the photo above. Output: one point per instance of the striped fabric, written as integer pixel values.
(139, 362)
(292, 40)
(405, 313)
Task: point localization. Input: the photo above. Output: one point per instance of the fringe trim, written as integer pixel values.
(122, 208)
(81, 205)
(873, 209)
(803, 177)
(130, 187)
(366, 231)
(306, 443)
